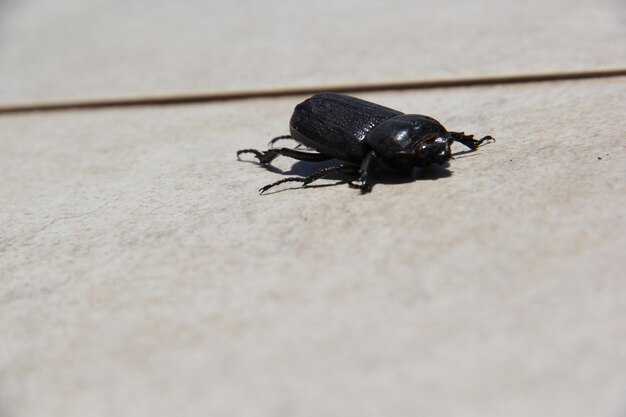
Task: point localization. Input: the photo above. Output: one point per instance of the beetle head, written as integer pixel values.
(433, 149)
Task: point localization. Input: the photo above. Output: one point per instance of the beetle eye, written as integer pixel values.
(422, 150)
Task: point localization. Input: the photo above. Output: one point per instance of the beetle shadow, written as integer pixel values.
(304, 169)
(268, 167)
(464, 154)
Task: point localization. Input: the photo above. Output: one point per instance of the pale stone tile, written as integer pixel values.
(77, 49)
(142, 274)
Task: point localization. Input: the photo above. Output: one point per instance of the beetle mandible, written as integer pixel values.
(366, 136)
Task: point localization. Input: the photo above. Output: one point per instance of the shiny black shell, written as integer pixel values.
(337, 125)
(345, 127)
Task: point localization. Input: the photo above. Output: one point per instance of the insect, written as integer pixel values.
(366, 136)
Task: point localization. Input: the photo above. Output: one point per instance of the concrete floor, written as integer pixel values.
(141, 274)
(91, 49)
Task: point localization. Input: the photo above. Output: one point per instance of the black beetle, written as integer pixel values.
(366, 135)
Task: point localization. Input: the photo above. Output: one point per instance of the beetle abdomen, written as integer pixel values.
(336, 125)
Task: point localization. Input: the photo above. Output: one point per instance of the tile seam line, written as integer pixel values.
(175, 99)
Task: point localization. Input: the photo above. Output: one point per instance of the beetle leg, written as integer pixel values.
(299, 145)
(366, 170)
(263, 157)
(315, 176)
(271, 143)
(268, 156)
(304, 156)
(469, 141)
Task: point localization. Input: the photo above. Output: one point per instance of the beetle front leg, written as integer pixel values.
(469, 141)
(367, 168)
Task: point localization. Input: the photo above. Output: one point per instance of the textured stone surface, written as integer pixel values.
(77, 49)
(142, 275)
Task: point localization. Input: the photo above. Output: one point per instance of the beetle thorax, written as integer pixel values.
(407, 141)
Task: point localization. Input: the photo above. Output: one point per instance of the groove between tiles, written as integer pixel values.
(345, 88)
